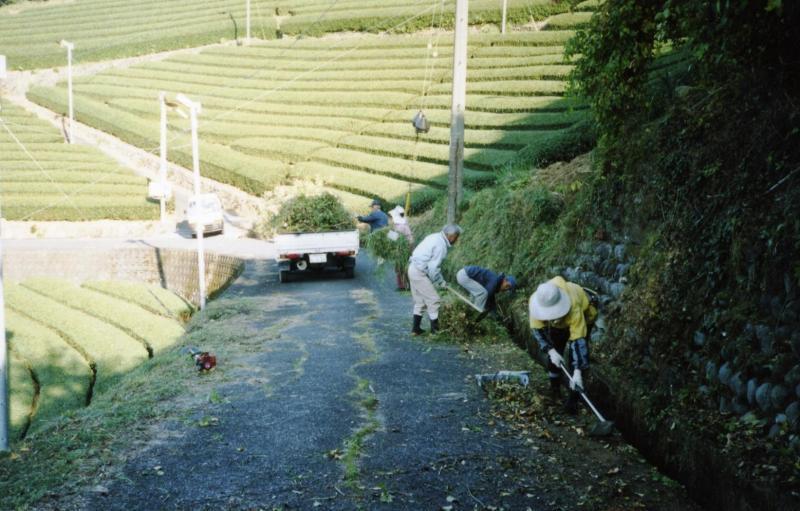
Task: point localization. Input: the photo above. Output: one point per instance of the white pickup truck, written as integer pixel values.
(316, 251)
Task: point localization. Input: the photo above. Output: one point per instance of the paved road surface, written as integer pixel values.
(340, 369)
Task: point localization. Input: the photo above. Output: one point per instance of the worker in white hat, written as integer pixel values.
(561, 316)
(400, 223)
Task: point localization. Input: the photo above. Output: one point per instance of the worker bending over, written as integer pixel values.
(561, 316)
(425, 275)
(376, 219)
(483, 284)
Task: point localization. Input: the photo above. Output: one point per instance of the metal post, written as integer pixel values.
(163, 156)
(194, 109)
(69, 46)
(505, 9)
(247, 38)
(456, 157)
(3, 356)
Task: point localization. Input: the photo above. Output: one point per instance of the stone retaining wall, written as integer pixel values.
(172, 269)
(772, 397)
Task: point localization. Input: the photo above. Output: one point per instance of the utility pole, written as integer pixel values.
(69, 46)
(247, 38)
(162, 101)
(3, 356)
(194, 109)
(455, 190)
(505, 8)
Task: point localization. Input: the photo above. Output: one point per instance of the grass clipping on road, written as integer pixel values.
(312, 214)
(458, 323)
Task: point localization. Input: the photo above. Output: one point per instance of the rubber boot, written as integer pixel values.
(555, 388)
(416, 330)
(435, 325)
(571, 404)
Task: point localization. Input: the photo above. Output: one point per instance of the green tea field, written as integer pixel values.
(340, 109)
(68, 342)
(102, 29)
(44, 178)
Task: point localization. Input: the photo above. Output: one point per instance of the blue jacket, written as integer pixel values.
(376, 220)
(489, 280)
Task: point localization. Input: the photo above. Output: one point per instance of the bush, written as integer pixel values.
(385, 250)
(313, 214)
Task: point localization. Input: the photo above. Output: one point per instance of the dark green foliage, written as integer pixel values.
(699, 161)
(385, 250)
(319, 213)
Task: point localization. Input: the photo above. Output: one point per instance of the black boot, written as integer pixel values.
(555, 388)
(416, 330)
(571, 404)
(434, 325)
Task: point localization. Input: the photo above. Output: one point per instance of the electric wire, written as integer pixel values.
(296, 78)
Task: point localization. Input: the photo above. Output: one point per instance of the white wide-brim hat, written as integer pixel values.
(396, 212)
(549, 302)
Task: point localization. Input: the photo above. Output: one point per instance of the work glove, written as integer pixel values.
(442, 284)
(577, 381)
(555, 357)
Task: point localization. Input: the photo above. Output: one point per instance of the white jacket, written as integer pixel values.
(429, 254)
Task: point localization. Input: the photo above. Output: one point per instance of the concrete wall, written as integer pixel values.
(172, 269)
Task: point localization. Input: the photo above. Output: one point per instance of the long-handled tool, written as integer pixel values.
(603, 427)
(463, 298)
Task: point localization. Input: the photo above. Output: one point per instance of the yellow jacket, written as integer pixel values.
(580, 313)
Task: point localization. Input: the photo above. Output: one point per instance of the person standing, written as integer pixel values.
(377, 219)
(400, 223)
(425, 275)
(561, 317)
(401, 228)
(483, 284)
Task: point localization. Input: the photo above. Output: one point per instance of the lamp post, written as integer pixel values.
(3, 357)
(247, 35)
(69, 46)
(194, 109)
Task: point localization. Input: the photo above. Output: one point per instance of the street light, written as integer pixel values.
(69, 46)
(194, 109)
(247, 38)
(3, 357)
(161, 190)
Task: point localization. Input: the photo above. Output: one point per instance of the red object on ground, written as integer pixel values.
(205, 361)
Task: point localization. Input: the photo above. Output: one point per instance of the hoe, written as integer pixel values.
(602, 427)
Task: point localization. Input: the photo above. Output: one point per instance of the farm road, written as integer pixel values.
(336, 408)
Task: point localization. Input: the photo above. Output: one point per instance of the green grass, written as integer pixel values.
(157, 332)
(150, 297)
(109, 349)
(42, 178)
(64, 376)
(21, 395)
(569, 20)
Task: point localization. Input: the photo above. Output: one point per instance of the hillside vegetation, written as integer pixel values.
(689, 205)
(43, 178)
(341, 110)
(68, 343)
(103, 29)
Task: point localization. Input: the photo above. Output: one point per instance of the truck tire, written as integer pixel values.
(285, 276)
(349, 273)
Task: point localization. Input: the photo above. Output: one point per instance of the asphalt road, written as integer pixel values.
(339, 408)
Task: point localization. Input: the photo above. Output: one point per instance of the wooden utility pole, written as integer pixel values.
(505, 9)
(455, 190)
